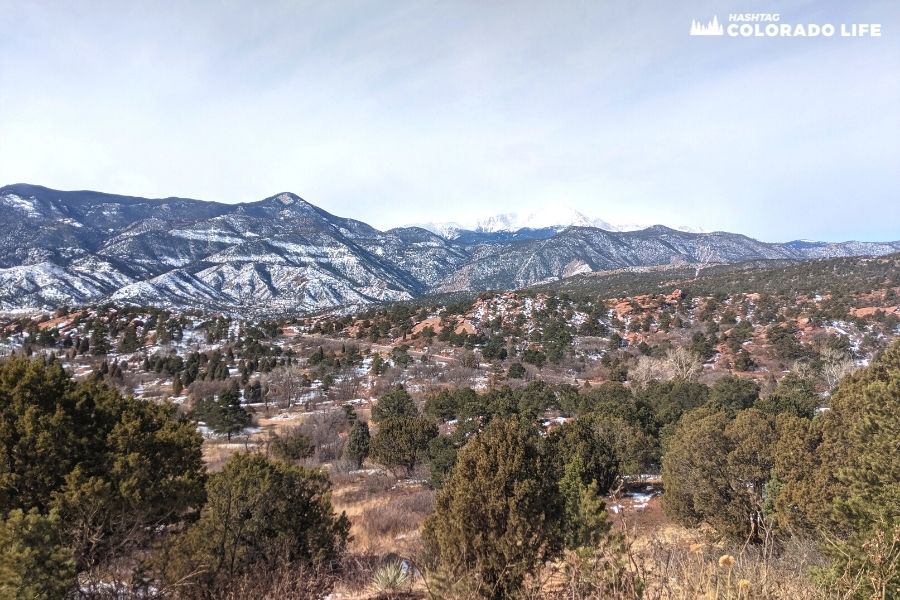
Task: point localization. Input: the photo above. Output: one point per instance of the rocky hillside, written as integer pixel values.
(282, 254)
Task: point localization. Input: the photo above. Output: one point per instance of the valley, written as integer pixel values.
(296, 389)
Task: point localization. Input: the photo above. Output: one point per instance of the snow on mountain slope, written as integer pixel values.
(557, 218)
(47, 285)
(284, 254)
(549, 216)
(449, 230)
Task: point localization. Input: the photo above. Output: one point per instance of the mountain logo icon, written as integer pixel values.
(711, 28)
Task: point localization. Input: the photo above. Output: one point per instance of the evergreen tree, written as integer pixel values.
(114, 468)
(224, 413)
(516, 371)
(579, 441)
(732, 394)
(378, 365)
(442, 453)
(584, 511)
(259, 513)
(498, 515)
(34, 559)
(839, 474)
(99, 342)
(129, 342)
(716, 470)
(402, 442)
(357, 448)
(792, 395)
(744, 361)
(396, 403)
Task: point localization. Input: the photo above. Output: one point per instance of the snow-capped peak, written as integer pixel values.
(545, 217)
(448, 231)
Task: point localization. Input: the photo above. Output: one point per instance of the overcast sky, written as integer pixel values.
(396, 111)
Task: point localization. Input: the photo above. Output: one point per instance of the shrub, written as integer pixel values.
(292, 445)
(114, 468)
(259, 513)
(402, 442)
(396, 403)
(516, 371)
(390, 577)
(358, 442)
(497, 517)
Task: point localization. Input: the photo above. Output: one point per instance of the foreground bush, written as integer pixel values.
(86, 476)
(259, 515)
(34, 563)
(853, 469)
(774, 468)
(402, 442)
(496, 518)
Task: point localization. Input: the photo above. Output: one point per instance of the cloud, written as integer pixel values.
(397, 112)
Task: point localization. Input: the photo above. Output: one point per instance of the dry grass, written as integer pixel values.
(711, 571)
(384, 523)
(217, 452)
(662, 561)
(385, 514)
(670, 562)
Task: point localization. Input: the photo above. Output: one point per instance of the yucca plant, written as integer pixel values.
(390, 577)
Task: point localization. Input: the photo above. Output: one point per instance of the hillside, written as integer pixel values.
(750, 356)
(285, 255)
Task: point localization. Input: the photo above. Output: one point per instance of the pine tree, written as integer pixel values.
(378, 365)
(396, 403)
(99, 343)
(34, 559)
(839, 473)
(498, 515)
(585, 518)
(129, 342)
(516, 371)
(357, 448)
(113, 468)
(224, 413)
(402, 442)
(744, 361)
(259, 513)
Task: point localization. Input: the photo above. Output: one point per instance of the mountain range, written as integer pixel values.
(283, 254)
(554, 217)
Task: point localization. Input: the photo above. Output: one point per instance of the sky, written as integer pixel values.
(397, 112)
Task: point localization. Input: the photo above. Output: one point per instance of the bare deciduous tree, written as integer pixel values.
(324, 429)
(285, 385)
(835, 366)
(679, 363)
(648, 369)
(345, 389)
(683, 364)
